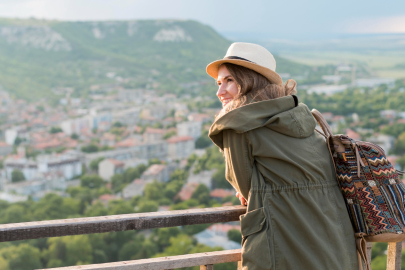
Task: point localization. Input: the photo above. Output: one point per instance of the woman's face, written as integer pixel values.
(227, 87)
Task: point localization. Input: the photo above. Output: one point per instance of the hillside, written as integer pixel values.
(38, 55)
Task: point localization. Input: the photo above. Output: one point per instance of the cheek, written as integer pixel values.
(233, 90)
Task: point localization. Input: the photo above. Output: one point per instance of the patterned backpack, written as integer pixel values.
(371, 187)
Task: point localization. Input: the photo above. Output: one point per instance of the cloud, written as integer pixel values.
(392, 24)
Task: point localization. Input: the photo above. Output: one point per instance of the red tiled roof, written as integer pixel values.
(177, 139)
(116, 163)
(155, 130)
(221, 193)
(187, 190)
(352, 134)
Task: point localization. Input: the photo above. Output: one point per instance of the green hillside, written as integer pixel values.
(38, 55)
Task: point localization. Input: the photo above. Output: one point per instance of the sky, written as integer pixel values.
(267, 17)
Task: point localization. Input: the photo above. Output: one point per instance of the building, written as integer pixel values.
(157, 172)
(127, 117)
(216, 236)
(180, 147)
(190, 128)
(153, 134)
(187, 191)
(131, 95)
(108, 167)
(142, 151)
(386, 142)
(327, 89)
(134, 189)
(69, 164)
(76, 125)
(11, 134)
(5, 149)
(373, 82)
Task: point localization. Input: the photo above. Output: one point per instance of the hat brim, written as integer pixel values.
(212, 69)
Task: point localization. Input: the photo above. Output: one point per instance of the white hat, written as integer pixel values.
(251, 56)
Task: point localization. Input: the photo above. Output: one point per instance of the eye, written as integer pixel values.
(230, 80)
(218, 83)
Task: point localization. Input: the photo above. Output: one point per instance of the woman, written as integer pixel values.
(296, 217)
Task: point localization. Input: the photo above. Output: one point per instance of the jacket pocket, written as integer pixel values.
(255, 246)
(252, 222)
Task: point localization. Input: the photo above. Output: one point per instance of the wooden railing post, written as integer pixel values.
(239, 265)
(394, 256)
(207, 267)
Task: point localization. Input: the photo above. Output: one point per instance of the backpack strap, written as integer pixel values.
(322, 122)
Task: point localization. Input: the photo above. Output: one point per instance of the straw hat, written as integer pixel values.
(251, 56)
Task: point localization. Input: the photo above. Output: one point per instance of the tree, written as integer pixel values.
(153, 191)
(54, 130)
(74, 136)
(92, 181)
(203, 141)
(91, 148)
(399, 145)
(235, 235)
(17, 176)
(94, 164)
(219, 180)
(119, 207)
(202, 194)
(147, 206)
(22, 257)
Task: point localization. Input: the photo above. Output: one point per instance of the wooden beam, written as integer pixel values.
(173, 262)
(207, 267)
(394, 256)
(75, 226)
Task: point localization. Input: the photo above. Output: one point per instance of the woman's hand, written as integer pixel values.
(241, 199)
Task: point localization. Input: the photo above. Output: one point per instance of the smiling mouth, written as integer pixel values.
(225, 101)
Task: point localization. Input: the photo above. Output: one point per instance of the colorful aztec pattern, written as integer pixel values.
(375, 198)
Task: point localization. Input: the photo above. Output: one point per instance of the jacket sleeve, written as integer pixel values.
(239, 161)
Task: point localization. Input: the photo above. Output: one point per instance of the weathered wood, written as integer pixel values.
(173, 262)
(369, 248)
(75, 226)
(394, 256)
(207, 267)
(239, 265)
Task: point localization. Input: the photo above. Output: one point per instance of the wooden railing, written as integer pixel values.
(76, 226)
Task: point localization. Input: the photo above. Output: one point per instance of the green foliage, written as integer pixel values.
(169, 134)
(154, 161)
(118, 124)
(74, 136)
(202, 194)
(119, 207)
(153, 191)
(94, 164)
(399, 145)
(21, 257)
(91, 148)
(17, 176)
(210, 160)
(219, 180)
(203, 141)
(394, 129)
(235, 235)
(147, 206)
(54, 130)
(91, 181)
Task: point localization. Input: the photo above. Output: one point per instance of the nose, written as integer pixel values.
(221, 90)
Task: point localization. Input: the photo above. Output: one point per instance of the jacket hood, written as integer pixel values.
(281, 115)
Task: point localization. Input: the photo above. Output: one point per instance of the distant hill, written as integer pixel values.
(38, 55)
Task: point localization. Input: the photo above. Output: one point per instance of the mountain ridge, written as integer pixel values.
(38, 55)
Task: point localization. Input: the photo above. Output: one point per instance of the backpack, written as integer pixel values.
(373, 193)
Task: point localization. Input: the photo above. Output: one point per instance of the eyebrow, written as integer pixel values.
(228, 76)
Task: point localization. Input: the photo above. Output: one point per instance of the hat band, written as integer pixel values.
(238, 58)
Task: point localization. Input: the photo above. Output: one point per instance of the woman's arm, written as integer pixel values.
(239, 161)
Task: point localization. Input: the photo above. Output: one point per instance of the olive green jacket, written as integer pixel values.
(296, 216)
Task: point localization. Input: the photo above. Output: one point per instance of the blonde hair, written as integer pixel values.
(254, 87)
